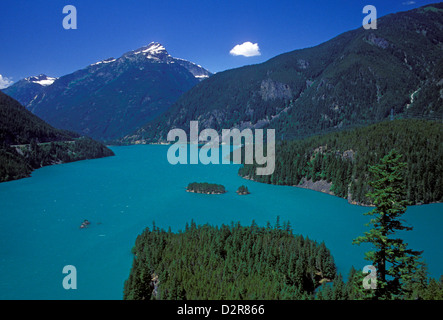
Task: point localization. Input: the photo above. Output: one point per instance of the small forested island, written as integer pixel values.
(204, 187)
(243, 190)
(227, 262)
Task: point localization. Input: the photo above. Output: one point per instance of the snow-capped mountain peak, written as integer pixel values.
(155, 52)
(153, 49)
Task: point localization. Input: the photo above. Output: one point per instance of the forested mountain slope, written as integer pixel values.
(357, 78)
(338, 162)
(27, 142)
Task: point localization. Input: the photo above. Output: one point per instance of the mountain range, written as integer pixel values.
(113, 97)
(359, 77)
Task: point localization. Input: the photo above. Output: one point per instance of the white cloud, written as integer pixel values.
(5, 82)
(408, 3)
(247, 49)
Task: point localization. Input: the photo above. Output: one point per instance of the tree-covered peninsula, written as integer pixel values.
(229, 262)
(28, 143)
(338, 163)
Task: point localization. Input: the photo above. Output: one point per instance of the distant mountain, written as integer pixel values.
(113, 97)
(359, 77)
(27, 142)
(27, 90)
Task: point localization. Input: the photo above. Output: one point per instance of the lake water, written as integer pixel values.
(40, 218)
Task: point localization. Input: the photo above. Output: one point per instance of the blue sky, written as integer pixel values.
(33, 40)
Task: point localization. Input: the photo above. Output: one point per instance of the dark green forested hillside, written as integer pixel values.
(343, 158)
(356, 78)
(20, 126)
(428, 100)
(27, 142)
(227, 262)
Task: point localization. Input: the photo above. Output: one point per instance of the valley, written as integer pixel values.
(348, 176)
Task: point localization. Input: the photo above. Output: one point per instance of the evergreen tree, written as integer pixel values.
(395, 263)
(354, 288)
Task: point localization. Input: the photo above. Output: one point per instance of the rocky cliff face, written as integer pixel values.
(320, 185)
(272, 90)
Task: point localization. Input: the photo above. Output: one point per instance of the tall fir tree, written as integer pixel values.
(396, 264)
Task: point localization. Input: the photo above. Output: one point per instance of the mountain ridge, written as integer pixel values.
(356, 78)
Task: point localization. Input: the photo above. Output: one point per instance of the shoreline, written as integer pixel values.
(308, 186)
(84, 154)
(352, 202)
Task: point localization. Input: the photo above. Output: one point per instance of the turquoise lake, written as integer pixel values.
(40, 218)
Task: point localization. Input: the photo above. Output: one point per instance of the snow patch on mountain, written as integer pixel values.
(42, 80)
(153, 48)
(104, 61)
(202, 76)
